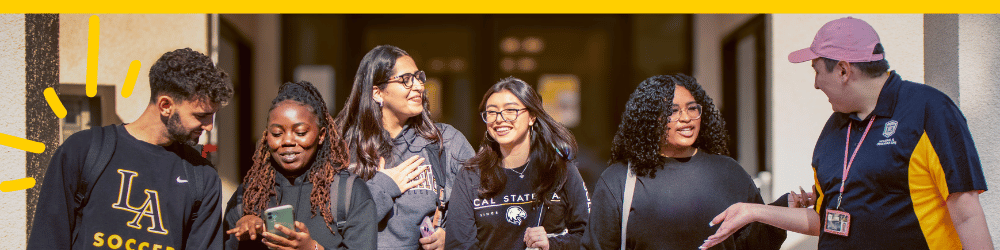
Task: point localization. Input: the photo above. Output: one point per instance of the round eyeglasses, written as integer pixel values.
(408, 79)
(506, 115)
(693, 112)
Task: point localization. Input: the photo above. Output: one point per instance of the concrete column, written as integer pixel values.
(941, 43)
(41, 124)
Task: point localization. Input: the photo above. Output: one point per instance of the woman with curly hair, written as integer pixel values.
(298, 160)
(672, 142)
(408, 161)
(522, 188)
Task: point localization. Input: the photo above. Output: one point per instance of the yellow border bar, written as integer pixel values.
(510, 6)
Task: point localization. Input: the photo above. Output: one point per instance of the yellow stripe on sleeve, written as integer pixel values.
(819, 193)
(929, 191)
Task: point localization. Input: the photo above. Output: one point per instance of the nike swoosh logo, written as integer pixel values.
(181, 181)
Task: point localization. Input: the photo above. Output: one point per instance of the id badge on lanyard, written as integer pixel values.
(838, 221)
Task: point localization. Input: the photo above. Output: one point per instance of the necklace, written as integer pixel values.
(692, 154)
(521, 174)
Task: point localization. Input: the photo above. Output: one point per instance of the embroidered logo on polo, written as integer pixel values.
(516, 215)
(890, 129)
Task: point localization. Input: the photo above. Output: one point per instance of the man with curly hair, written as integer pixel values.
(912, 183)
(141, 185)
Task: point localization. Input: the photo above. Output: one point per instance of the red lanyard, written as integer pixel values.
(847, 163)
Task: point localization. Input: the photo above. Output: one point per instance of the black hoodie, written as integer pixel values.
(139, 201)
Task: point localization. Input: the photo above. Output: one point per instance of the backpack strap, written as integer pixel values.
(197, 190)
(102, 147)
(627, 201)
(342, 188)
(437, 164)
(439, 167)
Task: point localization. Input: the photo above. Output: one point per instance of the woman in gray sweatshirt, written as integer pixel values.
(408, 161)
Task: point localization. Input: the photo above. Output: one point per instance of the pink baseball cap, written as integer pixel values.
(847, 39)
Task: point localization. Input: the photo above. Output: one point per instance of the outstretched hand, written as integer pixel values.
(247, 228)
(802, 199)
(730, 221)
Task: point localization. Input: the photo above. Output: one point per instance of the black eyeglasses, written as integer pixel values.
(693, 111)
(506, 115)
(407, 79)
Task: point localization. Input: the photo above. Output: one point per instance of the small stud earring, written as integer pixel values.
(379, 103)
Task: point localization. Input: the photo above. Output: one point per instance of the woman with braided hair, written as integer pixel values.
(408, 161)
(296, 163)
(672, 143)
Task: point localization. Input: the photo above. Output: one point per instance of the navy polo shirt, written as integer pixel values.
(917, 152)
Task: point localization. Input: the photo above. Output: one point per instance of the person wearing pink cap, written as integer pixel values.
(912, 183)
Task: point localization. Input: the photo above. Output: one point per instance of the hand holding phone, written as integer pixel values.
(280, 215)
(427, 227)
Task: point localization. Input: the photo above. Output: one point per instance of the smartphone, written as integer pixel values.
(426, 227)
(280, 215)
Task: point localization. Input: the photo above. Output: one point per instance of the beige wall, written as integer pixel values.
(125, 38)
(710, 29)
(979, 88)
(12, 122)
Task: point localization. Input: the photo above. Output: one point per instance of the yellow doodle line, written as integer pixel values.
(133, 73)
(17, 185)
(55, 103)
(22, 144)
(93, 42)
(93, 45)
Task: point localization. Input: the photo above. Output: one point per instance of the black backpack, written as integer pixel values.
(342, 186)
(102, 148)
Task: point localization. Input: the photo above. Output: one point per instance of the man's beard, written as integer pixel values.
(177, 133)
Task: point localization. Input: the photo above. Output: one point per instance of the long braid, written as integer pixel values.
(331, 158)
(333, 153)
(259, 180)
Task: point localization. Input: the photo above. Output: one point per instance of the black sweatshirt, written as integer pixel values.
(359, 233)
(499, 222)
(672, 211)
(139, 201)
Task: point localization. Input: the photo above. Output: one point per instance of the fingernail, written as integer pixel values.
(710, 224)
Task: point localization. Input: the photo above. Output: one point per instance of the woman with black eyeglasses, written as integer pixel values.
(522, 188)
(671, 148)
(408, 161)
